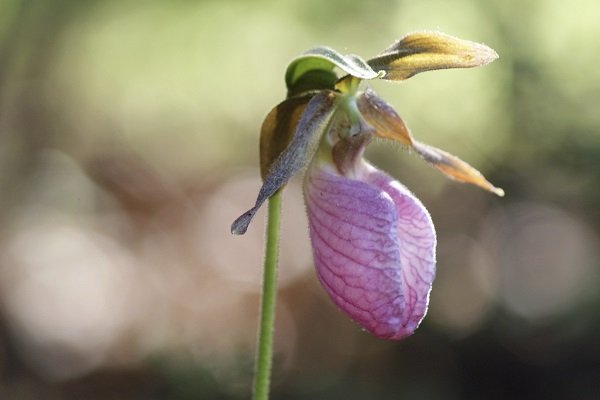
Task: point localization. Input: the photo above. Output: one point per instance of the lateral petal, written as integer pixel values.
(389, 125)
(297, 154)
(278, 129)
(454, 168)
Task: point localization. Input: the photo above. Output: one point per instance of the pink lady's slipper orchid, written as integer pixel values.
(373, 241)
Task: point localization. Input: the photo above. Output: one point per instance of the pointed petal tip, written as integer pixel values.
(484, 54)
(487, 185)
(498, 191)
(240, 225)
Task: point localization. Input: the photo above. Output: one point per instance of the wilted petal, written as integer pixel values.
(298, 153)
(426, 51)
(374, 248)
(455, 168)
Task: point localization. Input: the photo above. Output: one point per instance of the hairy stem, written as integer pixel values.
(264, 355)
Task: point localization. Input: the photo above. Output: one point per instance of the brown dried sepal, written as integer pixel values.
(425, 51)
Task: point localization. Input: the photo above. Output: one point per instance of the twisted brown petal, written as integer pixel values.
(454, 168)
(389, 125)
(297, 154)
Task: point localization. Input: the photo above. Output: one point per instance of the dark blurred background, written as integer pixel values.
(129, 143)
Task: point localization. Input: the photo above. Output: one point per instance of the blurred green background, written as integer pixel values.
(129, 143)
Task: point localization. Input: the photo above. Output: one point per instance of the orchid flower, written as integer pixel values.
(373, 241)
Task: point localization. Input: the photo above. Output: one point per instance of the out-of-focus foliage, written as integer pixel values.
(129, 142)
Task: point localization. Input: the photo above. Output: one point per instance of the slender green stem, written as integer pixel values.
(264, 355)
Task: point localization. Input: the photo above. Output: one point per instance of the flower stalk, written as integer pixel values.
(264, 353)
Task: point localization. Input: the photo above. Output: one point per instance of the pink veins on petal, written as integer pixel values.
(374, 248)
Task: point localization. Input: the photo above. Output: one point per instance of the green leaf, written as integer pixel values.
(425, 51)
(324, 59)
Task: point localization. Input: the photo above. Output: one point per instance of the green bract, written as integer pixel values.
(313, 70)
